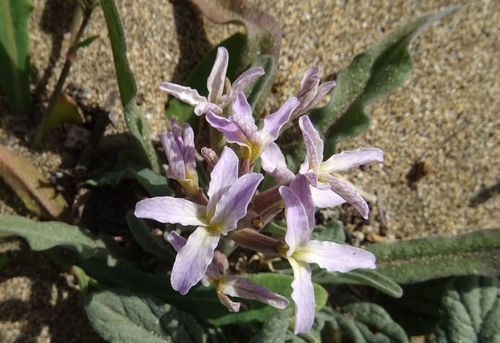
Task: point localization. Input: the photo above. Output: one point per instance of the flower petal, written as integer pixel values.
(336, 257)
(303, 296)
(313, 142)
(217, 77)
(245, 79)
(176, 167)
(301, 188)
(231, 131)
(171, 210)
(189, 149)
(242, 109)
(232, 306)
(224, 174)
(184, 94)
(176, 240)
(298, 232)
(274, 122)
(322, 91)
(193, 259)
(233, 204)
(324, 198)
(243, 288)
(206, 107)
(352, 159)
(274, 163)
(347, 191)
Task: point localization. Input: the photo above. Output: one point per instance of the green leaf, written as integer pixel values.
(371, 75)
(31, 186)
(65, 110)
(363, 277)
(149, 242)
(47, 235)
(15, 54)
(197, 79)
(85, 42)
(134, 118)
(155, 184)
(278, 283)
(471, 308)
(120, 316)
(275, 328)
(259, 91)
(475, 253)
(363, 323)
(330, 231)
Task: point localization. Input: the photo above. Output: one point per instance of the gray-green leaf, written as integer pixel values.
(471, 308)
(15, 54)
(475, 253)
(46, 235)
(362, 323)
(149, 242)
(275, 328)
(134, 118)
(120, 316)
(371, 75)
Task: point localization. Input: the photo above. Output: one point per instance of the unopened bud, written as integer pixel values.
(210, 157)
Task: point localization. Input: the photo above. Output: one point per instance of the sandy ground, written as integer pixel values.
(444, 118)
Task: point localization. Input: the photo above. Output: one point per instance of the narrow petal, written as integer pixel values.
(322, 91)
(176, 240)
(232, 306)
(347, 191)
(224, 174)
(303, 296)
(243, 288)
(231, 131)
(217, 77)
(336, 257)
(313, 142)
(245, 79)
(241, 108)
(352, 159)
(324, 198)
(274, 163)
(298, 232)
(184, 94)
(233, 204)
(310, 80)
(171, 210)
(189, 149)
(274, 122)
(193, 259)
(300, 186)
(206, 107)
(176, 167)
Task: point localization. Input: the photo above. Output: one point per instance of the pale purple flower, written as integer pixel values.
(216, 100)
(328, 189)
(311, 92)
(180, 151)
(229, 197)
(302, 251)
(228, 285)
(323, 174)
(240, 128)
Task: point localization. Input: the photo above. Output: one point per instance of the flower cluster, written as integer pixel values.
(232, 204)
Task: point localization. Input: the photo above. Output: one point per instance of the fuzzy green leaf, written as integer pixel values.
(475, 253)
(47, 235)
(120, 316)
(364, 277)
(371, 75)
(275, 328)
(149, 242)
(15, 54)
(134, 118)
(153, 183)
(362, 323)
(471, 308)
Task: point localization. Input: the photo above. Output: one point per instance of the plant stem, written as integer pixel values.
(70, 59)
